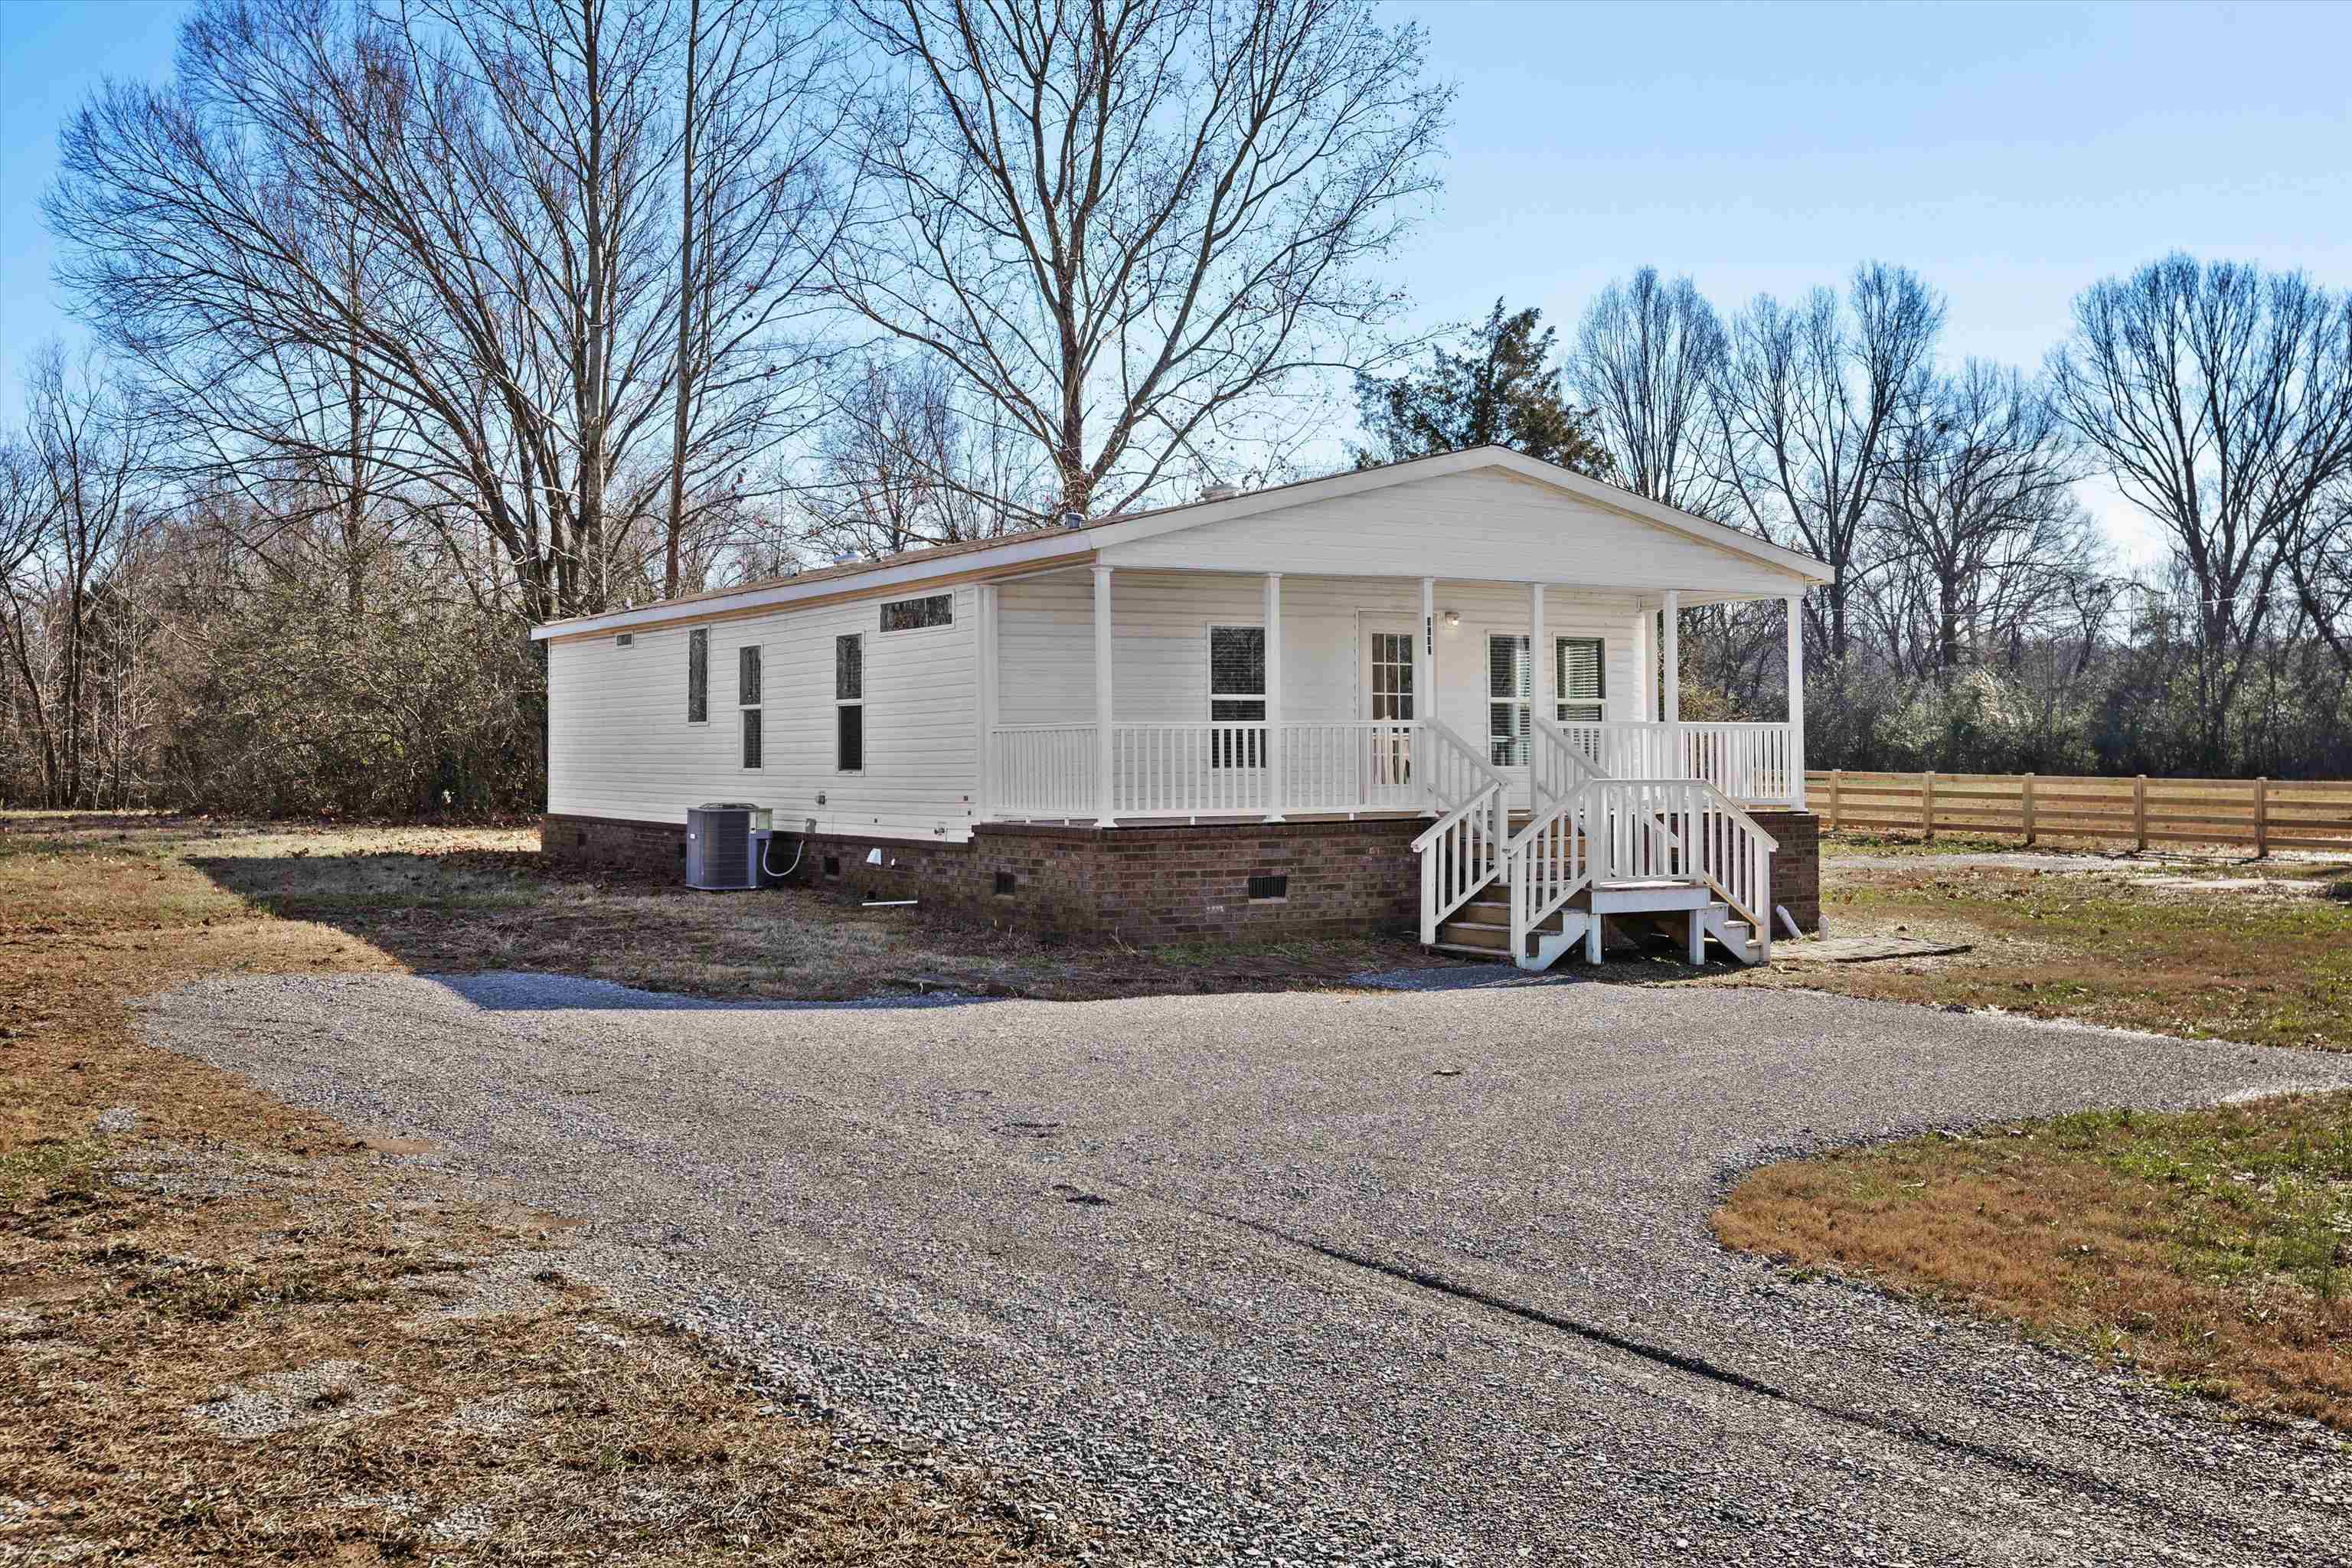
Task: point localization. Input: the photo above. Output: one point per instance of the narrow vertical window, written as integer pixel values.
(1237, 694)
(747, 698)
(849, 703)
(1581, 685)
(698, 676)
(1508, 685)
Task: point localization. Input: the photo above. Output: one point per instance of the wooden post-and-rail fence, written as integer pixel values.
(2260, 815)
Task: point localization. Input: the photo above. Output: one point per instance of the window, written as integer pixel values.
(1237, 694)
(698, 676)
(1506, 701)
(913, 615)
(747, 697)
(1577, 683)
(1006, 882)
(625, 639)
(1392, 676)
(1578, 680)
(849, 703)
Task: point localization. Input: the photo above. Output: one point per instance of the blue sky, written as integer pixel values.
(2010, 153)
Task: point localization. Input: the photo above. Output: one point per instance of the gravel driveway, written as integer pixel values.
(1327, 1278)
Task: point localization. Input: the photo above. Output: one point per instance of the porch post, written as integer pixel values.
(1671, 675)
(983, 802)
(1646, 667)
(1425, 676)
(1274, 796)
(1543, 675)
(1796, 602)
(1105, 793)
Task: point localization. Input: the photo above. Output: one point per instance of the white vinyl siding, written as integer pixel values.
(619, 744)
(1160, 652)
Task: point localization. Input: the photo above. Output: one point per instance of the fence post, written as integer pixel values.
(1837, 789)
(2262, 818)
(1927, 806)
(2027, 810)
(2139, 811)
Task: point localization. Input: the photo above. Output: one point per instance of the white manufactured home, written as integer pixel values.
(1439, 694)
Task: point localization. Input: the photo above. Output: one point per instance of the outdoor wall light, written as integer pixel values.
(1453, 619)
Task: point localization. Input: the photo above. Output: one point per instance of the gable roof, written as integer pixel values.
(1042, 548)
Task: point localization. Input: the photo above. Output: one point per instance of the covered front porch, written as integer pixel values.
(1113, 698)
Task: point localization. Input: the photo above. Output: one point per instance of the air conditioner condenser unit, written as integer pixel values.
(723, 843)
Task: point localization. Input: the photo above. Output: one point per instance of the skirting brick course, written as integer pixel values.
(1142, 885)
(1796, 865)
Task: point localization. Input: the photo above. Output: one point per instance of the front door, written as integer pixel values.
(1387, 685)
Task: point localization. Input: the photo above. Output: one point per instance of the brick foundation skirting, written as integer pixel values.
(1143, 885)
(1140, 884)
(1796, 865)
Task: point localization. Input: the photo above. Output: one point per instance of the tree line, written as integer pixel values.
(1975, 619)
(415, 322)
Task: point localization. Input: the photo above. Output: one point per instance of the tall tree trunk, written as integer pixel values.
(685, 298)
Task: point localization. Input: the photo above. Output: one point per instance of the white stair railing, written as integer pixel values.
(1547, 860)
(1682, 828)
(1463, 849)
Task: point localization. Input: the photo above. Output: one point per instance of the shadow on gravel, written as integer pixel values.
(520, 991)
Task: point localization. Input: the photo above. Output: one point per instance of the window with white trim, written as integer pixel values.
(1581, 680)
(698, 676)
(1237, 694)
(849, 703)
(747, 698)
(914, 615)
(1507, 700)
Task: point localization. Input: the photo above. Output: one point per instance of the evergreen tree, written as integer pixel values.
(1502, 391)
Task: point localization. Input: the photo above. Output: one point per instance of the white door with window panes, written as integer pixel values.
(1387, 684)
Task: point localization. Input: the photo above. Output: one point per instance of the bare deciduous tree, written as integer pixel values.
(1984, 531)
(2219, 398)
(1130, 225)
(75, 508)
(755, 219)
(1813, 405)
(467, 203)
(1649, 357)
(900, 467)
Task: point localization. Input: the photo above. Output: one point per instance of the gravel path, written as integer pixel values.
(1417, 1278)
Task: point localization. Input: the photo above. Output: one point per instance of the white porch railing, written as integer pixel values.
(1220, 769)
(1746, 761)
(1042, 769)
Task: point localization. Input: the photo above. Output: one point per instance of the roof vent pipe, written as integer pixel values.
(1074, 519)
(1220, 492)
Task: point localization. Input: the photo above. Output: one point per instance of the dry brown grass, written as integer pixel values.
(466, 900)
(2208, 1249)
(233, 1254)
(2259, 951)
